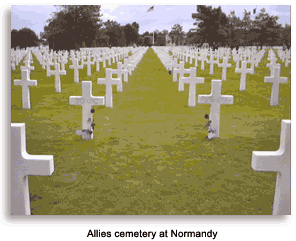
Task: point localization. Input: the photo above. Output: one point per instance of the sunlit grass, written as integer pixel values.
(149, 154)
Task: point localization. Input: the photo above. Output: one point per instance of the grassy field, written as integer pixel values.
(149, 155)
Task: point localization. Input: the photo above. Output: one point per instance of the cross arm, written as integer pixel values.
(38, 165)
(267, 161)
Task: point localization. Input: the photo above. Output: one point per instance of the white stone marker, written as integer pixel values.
(192, 81)
(212, 63)
(25, 82)
(89, 63)
(76, 68)
(87, 100)
(278, 161)
(109, 81)
(57, 72)
(224, 65)
(276, 80)
(120, 71)
(27, 67)
(272, 67)
(243, 71)
(215, 99)
(181, 71)
(23, 165)
(48, 64)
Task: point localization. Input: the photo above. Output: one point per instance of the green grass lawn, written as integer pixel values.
(149, 154)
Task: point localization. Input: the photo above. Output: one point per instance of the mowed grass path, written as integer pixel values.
(149, 154)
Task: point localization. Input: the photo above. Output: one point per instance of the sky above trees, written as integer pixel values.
(163, 16)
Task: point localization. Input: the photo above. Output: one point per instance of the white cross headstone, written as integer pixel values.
(87, 100)
(278, 161)
(57, 72)
(192, 81)
(25, 82)
(272, 66)
(224, 65)
(181, 71)
(109, 81)
(89, 63)
(243, 71)
(276, 80)
(28, 67)
(120, 71)
(23, 165)
(215, 99)
(48, 64)
(212, 63)
(76, 68)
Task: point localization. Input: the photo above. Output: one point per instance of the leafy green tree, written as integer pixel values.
(72, 26)
(131, 33)
(115, 32)
(14, 38)
(211, 24)
(26, 37)
(267, 28)
(177, 34)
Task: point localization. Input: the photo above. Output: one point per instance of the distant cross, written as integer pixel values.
(173, 64)
(120, 71)
(192, 81)
(202, 59)
(272, 66)
(98, 60)
(27, 66)
(49, 63)
(25, 82)
(212, 62)
(87, 101)
(22, 166)
(181, 71)
(57, 72)
(243, 71)
(13, 65)
(76, 68)
(89, 63)
(276, 80)
(278, 161)
(215, 99)
(224, 65)
(109, 81)
(63, 61)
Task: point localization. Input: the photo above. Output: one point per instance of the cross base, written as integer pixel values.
(86, 134)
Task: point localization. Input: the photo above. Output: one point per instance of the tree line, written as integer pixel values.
(75, 26)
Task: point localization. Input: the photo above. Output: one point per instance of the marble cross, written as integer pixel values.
(87, 101)
(243, 71)
(76, 68)
(276, 80)
(278, 161)
(109, 81)
(22, 166)
(120, 71)
(89, 63)
(181, 71)
(25, 82)
(57, 72)
(215, 99)
(192, 81)
(224, 65)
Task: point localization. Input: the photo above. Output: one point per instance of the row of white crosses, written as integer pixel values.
(278, 161)
(87, 100)
(25, 82)
(215, 99)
